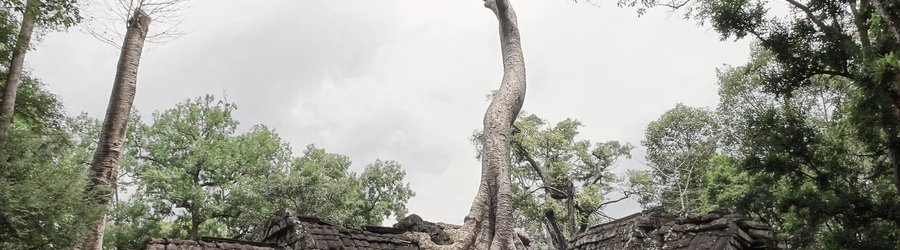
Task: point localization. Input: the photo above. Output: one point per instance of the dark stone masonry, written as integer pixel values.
(206, 243)
(654, 229)
(287, 231)
(650, 229)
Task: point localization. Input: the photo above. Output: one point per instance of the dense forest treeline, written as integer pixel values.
(186, 174)
(804, 138)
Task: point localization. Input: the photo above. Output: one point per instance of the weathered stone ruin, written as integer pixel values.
(654, 229)
(286, 231)
(650, 229)
(206, 243)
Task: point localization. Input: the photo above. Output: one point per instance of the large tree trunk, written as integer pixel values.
(890, 115)
(889, 18)
(112, 135)
(490, 224)
(14, 76)
(891, 125)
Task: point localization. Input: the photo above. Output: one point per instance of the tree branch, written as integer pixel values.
(672, 5)
(548, 188)
(614, 201)
(556, 236)
(833, 73)
(809, 14)
(520, 150)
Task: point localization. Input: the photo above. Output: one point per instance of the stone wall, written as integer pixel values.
(288, 231)
(658, 230)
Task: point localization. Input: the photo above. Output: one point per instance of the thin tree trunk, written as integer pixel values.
(14, 74)
(490, 224)
(112, 135)
(556, 236)
(194, 232)
(570, 207)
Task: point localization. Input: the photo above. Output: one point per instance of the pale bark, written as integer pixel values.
(112, 135)
(14, 74)
(490, 224)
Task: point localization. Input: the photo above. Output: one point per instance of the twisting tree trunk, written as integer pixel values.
(14, 74)
(112, 135)
(489, 224)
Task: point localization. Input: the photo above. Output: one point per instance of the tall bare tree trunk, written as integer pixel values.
(14, 74)
(490, 224)
(112, 135)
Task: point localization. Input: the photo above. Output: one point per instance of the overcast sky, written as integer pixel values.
(406, 80)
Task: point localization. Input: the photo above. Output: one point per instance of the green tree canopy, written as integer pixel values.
(190, 173)
(42, 176)
(679, 145)
(799, 163)
(190, 161)
(384, 191)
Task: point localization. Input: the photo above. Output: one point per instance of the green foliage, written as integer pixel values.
(325, 179)
(42, 178)
(58, 14)
(645, 188)
(680, 145)
(36, 106)
(320, 184)
(807, 163)
(130, 225)
(809, 124)
(191, 171)
(9, 31)
(383, 187)
(190, 160)
(49, 14)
